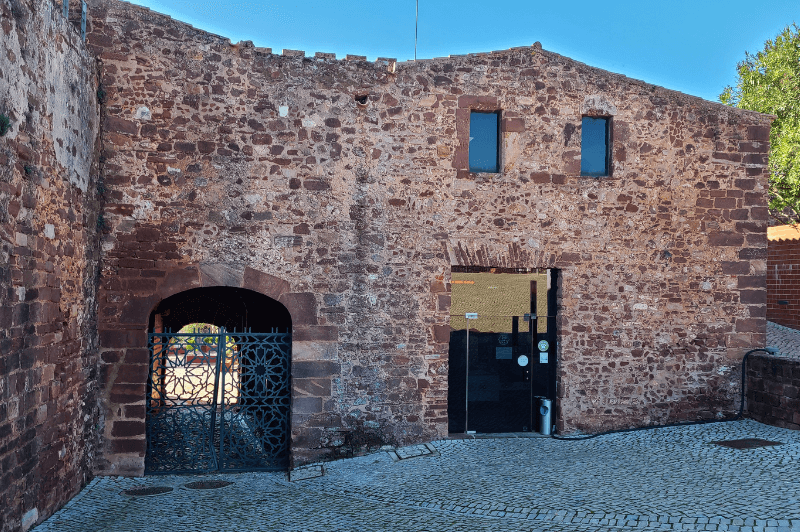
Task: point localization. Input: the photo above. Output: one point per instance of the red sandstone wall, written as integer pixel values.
(227, 162)
(48, 261)
(783, 282)
(773, 391)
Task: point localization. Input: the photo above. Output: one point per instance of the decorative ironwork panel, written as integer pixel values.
(180, 403)
(255, 403)
(218, 402)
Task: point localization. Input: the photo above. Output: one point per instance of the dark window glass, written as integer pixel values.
(483, 142)
(594, 146)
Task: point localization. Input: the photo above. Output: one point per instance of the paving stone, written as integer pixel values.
(663, 479)
(784, 339)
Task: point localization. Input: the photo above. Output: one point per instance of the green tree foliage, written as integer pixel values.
(195, 343)
(769, 82)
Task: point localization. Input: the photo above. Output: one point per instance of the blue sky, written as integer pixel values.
(689, 46)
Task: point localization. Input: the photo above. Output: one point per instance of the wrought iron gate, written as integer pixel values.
(218, 402)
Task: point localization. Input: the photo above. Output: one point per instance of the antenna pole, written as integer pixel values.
(416, 31)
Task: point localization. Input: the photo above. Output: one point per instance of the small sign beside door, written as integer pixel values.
(543, 357)
(503, 353)
(543, 345)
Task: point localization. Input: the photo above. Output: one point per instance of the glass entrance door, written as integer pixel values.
(497, 370)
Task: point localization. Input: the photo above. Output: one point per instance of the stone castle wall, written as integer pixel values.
(48, 262)
(340, 188)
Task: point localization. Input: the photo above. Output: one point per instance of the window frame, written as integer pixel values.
(608, 145)
(498, 142)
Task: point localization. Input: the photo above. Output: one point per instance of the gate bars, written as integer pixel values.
(218, 402)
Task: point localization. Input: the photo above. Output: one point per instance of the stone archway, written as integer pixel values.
(218, 392)
(126, 309)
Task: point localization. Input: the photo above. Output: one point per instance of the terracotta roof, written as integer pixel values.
(783, 232)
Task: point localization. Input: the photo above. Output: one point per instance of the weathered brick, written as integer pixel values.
(307, 405)
(312, 387)
(135, 411)
(120, 338)
(132, 373)
(204, 146)
(753, 296)
(441, 333)
(753, 253)
(315, 369)
(127, 445)
(482, 103)
(127, 393)
(148, 234)
(302, 307)
(127, 429)
(725, 238)
(316, 183)
(760, 133)
(328, 333)
(120, 125)
(185, 147)
(741, 267)
(513, 125)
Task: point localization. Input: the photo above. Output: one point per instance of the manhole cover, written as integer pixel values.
(746, 443)
(150, 490)
(207, 484)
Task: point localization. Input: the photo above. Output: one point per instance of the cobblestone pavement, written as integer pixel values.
(658, 479)
(784, 339)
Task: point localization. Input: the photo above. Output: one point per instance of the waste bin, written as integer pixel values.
(544, 416)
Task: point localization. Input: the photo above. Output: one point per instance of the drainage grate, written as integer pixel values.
(413, 451)
(207, 484)
(151, 490)
(746, 443)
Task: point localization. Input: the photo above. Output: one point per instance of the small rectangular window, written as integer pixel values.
(484, 155)
(594, 146)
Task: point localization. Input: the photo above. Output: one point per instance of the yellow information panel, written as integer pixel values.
(496, 297)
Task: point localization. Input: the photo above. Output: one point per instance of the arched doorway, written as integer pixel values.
(218, 392)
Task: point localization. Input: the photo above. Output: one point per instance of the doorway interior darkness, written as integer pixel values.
(232, 308)
(502, 348)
